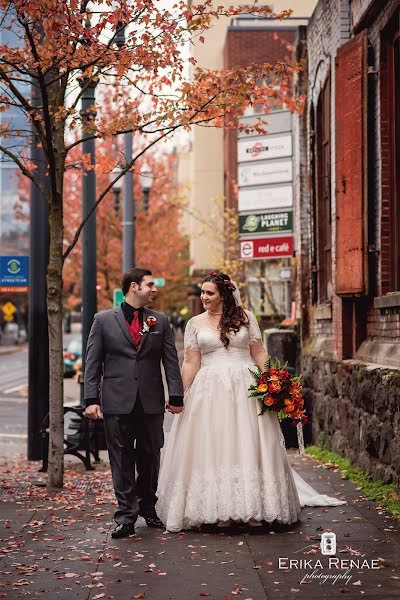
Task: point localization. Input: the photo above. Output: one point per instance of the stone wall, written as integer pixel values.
(355, 411)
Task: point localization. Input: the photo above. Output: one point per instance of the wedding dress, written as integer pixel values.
(222, 460)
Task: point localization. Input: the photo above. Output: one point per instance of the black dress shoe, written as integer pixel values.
(123, 530)
(153, 521)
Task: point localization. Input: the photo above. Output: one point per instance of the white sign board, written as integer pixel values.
(265, 198)
(264, 147)
(277, 171)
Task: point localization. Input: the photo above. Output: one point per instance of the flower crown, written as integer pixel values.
(227, 282)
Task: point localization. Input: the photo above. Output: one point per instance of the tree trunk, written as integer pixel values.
(54, 308)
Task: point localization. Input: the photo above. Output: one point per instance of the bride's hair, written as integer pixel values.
(233, 316)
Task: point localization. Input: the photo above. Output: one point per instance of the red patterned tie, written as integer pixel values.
(135, 329)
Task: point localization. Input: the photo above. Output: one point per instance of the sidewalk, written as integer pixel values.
(59, 546)
(11, 349)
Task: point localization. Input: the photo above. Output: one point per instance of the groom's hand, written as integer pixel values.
(175, 410)
(93, 411)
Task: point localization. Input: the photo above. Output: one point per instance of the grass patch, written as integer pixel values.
(386, 495)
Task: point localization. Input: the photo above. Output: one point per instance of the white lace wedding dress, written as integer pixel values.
(222, 460)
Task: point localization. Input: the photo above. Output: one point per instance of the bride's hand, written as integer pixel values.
(175, 410)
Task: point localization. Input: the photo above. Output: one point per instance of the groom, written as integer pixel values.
(124, 352)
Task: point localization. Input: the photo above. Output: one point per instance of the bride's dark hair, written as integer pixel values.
(233, 316)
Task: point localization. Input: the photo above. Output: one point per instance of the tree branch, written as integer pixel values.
(24, 170)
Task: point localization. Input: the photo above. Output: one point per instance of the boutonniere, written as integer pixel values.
(149, 322)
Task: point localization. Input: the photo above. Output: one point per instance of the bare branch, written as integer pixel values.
(24, 170)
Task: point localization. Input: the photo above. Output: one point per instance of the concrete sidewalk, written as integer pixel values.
(59, 546)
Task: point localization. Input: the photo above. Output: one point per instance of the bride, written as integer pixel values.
(223, 462)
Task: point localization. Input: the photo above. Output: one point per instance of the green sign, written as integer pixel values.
(159, 282)
(118, 297)
(264, 222)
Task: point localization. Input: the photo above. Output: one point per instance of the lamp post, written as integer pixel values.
(146, 181)
(89, 274)
(38, 356)
(128, 204)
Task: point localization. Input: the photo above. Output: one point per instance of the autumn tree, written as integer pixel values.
(159, 243)
(61, 52)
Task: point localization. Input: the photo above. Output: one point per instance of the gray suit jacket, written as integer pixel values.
(115, 371)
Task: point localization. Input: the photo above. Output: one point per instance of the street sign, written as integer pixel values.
(264, 147)
(266, 222)
(14, 271)
(9, 310)
(274, 171)
(118, 297)
(159, 282)
(265, 198)
(273, 247)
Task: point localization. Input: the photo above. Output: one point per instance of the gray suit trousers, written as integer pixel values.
(134, 442)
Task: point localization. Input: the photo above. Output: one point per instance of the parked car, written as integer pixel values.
(72, 353)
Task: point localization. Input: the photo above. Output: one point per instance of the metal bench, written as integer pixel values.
(88, 438)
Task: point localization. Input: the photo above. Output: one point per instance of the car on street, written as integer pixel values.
(72, 353)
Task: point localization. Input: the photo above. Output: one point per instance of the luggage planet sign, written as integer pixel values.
(271, 247)
(271, 222)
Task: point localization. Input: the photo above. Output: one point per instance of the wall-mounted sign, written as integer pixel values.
(278, 121)
(273, 247)
(274, 171)
(265, 198)
(266, 222)
(14, 271)
(264, 147)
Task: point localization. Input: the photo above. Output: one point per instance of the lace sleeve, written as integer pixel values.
(254, 329)
(190, 339)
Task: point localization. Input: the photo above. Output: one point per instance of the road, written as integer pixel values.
(14, 400)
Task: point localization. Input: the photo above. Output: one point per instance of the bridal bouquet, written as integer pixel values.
(278, 391)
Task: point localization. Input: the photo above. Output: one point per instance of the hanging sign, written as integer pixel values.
(14, 271)
(264, 147)
(265, 198)
(273, 247)
(274, 171)
(266, 222)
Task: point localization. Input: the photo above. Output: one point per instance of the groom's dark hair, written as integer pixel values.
(134, 275)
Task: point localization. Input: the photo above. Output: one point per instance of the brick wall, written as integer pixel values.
(354, 406)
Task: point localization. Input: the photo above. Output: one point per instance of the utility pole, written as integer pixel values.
(38, 354)
(128, 205)
(89, 271)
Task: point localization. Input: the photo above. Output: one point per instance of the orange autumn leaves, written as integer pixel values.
(279, 391)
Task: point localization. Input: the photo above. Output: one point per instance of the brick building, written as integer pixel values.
(348, 212)
(248, 41)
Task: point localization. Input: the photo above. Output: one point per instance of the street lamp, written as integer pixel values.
(146, 181)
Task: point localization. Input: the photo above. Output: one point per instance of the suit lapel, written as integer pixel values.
(119, 316)
(145, 335)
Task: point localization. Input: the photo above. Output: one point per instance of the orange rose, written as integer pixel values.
(262, 388)
(269, 401)
(274, 386)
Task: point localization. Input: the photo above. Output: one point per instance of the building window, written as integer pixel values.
(390, 136)
(322, 187)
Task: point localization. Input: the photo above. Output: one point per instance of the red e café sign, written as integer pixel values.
(272, 247)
